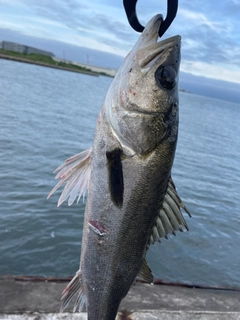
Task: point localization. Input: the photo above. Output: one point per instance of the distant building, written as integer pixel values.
(21, 48)
(11, 46)
(30, 50)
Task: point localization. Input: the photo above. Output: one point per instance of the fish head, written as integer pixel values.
(142, 105)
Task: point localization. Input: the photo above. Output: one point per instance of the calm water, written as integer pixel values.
(47, 115)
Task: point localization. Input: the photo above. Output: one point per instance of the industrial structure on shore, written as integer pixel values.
(21, 48)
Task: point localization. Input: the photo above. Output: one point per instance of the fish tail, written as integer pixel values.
(124, 315)
(74, 288)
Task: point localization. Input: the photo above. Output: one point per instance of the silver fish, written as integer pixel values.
(132, 201)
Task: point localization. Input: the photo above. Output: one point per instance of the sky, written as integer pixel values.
(209, 30)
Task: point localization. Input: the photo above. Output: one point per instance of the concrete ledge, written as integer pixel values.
(143, 315)
(40, 300)
(175, 315)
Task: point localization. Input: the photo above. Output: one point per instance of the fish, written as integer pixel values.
(132, 200)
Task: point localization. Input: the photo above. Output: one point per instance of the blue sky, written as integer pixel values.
(209, 29)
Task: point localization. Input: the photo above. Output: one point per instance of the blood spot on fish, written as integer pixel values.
(99, 119)
(121, 96)
(100, 242)
(131, 92)
(116, 185)
(100, 116)
(97, 227)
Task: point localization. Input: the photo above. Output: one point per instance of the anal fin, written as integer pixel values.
(74, 288)
(145, 272)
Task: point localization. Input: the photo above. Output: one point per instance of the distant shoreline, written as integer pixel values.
(55, 66)
(43, 64)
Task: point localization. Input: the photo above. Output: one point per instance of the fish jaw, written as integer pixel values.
(140, 105)
(149, 35)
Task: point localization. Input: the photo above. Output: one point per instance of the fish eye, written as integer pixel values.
(166, 77)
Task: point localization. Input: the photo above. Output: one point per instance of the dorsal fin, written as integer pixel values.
(170, 218)
(76, 172)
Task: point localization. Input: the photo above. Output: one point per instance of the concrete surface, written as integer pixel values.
(40, 300)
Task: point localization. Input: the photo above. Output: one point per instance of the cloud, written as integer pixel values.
(232, 7)
(209, 46)
(200, 20)
(208, 28)
(219, 72)
(73, 21)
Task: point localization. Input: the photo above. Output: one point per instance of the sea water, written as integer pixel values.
(48, 115)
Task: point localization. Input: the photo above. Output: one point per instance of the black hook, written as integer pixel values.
(130, 8)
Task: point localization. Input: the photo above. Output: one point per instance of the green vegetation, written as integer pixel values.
(45, 59)
(12, 53)
(32, 56)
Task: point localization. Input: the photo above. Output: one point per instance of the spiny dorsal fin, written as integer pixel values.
(73, 288)
(170, 218)
(145, 272)
(76, 172)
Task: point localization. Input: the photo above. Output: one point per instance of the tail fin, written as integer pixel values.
(76, 172)
(124, 315)
(73, 288)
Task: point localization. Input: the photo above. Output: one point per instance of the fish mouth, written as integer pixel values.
(149, 54)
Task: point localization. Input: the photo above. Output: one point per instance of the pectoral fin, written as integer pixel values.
(170, 218)
(76, 172)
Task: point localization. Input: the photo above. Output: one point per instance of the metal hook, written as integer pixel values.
(130, 8)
